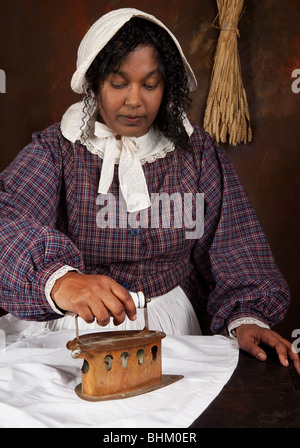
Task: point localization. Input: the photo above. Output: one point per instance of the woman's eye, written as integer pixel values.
(148, 87)
(123, 85)
(118, 86)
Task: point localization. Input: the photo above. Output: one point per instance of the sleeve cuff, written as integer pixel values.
(50, 283)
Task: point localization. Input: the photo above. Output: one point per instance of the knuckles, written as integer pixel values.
(103, 321)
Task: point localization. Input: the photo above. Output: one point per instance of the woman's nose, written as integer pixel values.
(133, 98)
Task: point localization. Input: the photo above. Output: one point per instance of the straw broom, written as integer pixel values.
(227, 112)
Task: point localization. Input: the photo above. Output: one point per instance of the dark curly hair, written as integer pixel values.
(176, 101)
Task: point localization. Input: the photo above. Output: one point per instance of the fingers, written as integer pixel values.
(110, 300)
(125, 299)
(285, 352)
(109, 306)
(295, 358)
(250, 336)
(283, 348)
(249, 341)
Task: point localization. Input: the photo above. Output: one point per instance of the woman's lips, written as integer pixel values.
(131, 119)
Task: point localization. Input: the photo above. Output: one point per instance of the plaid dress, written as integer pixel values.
(49, 218)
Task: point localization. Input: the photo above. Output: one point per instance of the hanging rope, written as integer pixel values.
(227, 116)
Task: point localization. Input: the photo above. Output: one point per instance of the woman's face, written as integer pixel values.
(130, 98)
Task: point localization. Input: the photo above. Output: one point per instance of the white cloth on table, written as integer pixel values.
(38, 377)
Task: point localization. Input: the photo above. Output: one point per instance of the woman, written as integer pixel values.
(104, 203)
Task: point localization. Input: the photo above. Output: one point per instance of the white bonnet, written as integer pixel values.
(102, 32)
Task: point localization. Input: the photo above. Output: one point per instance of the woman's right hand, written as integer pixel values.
(93, 296)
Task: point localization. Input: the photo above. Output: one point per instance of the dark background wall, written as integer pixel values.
(38, 46)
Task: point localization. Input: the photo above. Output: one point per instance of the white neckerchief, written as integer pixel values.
(129, 153)
(131, 175)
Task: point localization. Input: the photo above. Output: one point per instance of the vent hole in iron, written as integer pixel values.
(124, 358)
(108, 361)
(154, 351)
(85, 368)
(140, 354)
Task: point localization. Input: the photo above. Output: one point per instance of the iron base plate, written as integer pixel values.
(166, 381)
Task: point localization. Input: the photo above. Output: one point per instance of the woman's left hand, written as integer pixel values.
(250, 336)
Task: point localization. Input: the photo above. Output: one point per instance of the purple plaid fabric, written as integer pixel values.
(48, 218)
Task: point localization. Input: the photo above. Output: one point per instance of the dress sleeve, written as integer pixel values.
(31, 246)
(234, 256)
